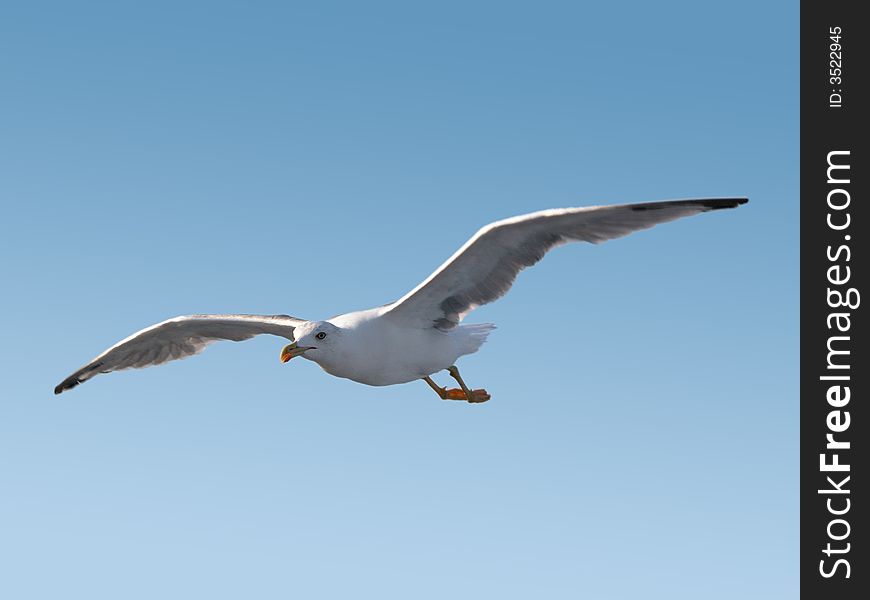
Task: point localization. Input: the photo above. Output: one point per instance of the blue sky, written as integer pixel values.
(167, 158)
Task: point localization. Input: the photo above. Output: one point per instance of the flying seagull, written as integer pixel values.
(419, 334)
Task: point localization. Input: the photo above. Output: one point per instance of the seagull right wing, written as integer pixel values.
(484, 269)
(179, 338)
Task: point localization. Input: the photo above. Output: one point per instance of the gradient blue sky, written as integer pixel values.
(164, 158)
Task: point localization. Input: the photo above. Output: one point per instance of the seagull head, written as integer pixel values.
(314, 339)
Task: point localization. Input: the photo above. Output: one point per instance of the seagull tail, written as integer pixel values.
(472, 337)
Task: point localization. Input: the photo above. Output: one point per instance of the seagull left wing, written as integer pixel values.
(179, 338)
(484, 268)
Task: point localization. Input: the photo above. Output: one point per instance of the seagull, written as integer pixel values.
(421, 333)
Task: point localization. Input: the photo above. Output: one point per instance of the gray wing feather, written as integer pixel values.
(179, 338)
(484, 268)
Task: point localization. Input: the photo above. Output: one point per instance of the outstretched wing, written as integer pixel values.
(484, 269)
(179, 338)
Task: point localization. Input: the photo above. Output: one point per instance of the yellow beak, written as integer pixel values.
(292, 350)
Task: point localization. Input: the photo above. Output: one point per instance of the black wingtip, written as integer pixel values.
(707, 203)
(719, 203)
(65, 385)
(78, 377)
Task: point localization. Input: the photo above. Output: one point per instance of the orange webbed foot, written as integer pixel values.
(477, 396)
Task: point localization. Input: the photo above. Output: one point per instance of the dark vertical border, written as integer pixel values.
(835, 367)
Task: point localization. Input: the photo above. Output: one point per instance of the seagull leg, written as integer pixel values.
(456, 393)
(454, 373)
(442, 392)
(472, 396)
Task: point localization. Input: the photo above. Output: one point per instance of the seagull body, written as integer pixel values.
(421, 333)
(367, 347)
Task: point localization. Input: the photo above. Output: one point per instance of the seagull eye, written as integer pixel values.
(320, 335)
